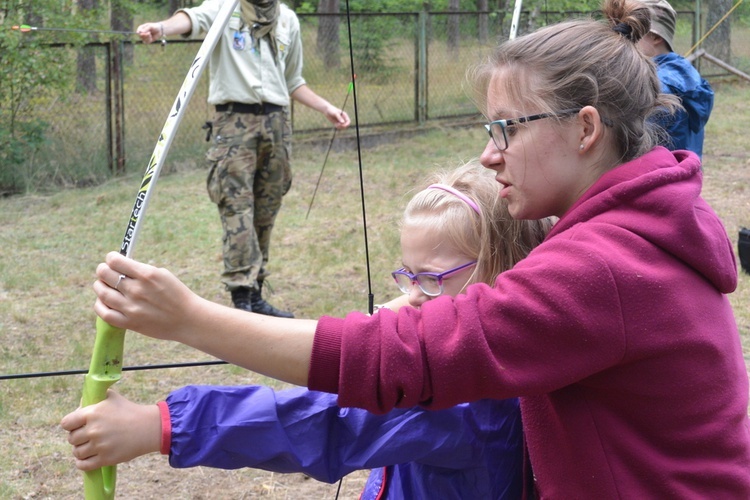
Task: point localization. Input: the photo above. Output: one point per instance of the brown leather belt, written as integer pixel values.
(263, 108)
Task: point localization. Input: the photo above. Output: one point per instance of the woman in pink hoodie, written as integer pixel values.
(616, 332)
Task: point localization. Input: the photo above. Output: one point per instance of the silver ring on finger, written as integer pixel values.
(122, 277)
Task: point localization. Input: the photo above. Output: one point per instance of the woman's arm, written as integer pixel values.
(154, 302)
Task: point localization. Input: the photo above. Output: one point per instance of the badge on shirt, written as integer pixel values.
(238, 41)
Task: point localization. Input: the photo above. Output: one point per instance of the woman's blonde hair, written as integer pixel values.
(491, 237)
(586, 62)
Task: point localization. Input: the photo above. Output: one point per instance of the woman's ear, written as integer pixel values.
(592, 128)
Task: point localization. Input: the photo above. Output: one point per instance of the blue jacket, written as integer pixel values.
(468, 451)
(679, 77)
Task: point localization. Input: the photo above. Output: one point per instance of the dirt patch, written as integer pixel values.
(50, 477)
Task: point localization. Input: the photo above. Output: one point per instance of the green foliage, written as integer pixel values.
(387, 5)
(33, 78)
(52, 136)
(27, 74)
(464, 5)
(372, 43)
(306, 8)
(18, 149)
(742, 14)
(565, 5)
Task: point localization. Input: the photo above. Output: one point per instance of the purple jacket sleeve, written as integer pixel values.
(298, 430)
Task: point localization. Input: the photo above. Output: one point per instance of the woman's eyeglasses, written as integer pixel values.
(431, 284)
(500, 129)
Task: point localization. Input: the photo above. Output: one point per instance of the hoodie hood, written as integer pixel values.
(662, 187)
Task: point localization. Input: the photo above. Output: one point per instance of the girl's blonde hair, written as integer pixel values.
(491, 237)
(586, 62)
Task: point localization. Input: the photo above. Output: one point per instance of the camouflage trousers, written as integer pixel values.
(248, 174)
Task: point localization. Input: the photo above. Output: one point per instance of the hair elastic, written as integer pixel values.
(625, 30)
(458, 194)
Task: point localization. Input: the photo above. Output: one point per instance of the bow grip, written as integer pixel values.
(105, 370)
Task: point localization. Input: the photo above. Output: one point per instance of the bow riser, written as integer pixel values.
(105, 370)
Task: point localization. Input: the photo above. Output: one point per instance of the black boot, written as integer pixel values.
(260, 306)
(241, 299)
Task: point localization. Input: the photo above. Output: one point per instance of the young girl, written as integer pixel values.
(454, 233)
(616, 331)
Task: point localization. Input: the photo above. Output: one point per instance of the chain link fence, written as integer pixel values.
(410, 69)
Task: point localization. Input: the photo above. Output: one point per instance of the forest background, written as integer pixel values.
(68, 119)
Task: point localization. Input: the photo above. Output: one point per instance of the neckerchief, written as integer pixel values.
(261, 17)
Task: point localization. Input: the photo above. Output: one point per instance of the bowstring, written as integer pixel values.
(370, 298)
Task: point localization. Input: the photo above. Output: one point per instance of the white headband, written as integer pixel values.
(458, 194)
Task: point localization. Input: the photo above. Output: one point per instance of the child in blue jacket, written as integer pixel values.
(685, 128)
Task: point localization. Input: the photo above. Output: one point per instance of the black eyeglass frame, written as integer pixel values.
(524, 119)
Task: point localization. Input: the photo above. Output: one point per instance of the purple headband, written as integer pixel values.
(458, 194)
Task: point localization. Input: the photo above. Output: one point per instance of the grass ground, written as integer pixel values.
(51, 245)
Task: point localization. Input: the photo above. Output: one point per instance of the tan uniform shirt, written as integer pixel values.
(243, 71)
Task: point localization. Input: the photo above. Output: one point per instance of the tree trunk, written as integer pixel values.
(120, 19)
(502, 12)
(483, 21)
(173, 6)
(328, 33)
(533, 16)
(86, 60)
(453, 27)
(718, 43)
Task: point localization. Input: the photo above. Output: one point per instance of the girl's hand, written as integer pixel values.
(113, 431)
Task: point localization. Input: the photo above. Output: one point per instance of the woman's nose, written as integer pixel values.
(491, 157)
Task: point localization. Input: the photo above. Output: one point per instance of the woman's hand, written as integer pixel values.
(152, 301)
(145, 299)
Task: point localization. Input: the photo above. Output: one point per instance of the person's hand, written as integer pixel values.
(142, 298)
(150, 32)
(113, 431)
(397, 303)
(338, 117)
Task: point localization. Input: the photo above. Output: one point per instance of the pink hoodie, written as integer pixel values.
(616, 332)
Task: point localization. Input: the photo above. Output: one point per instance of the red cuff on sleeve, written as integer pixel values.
(326, 355)
(166, 428)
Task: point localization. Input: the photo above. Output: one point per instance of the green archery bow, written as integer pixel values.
(106, 361)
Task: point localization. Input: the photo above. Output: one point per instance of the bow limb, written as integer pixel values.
(106, 361)
(514, 20)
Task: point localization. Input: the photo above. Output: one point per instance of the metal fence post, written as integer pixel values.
(108, 112)
(119, 107)
(421, 73)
